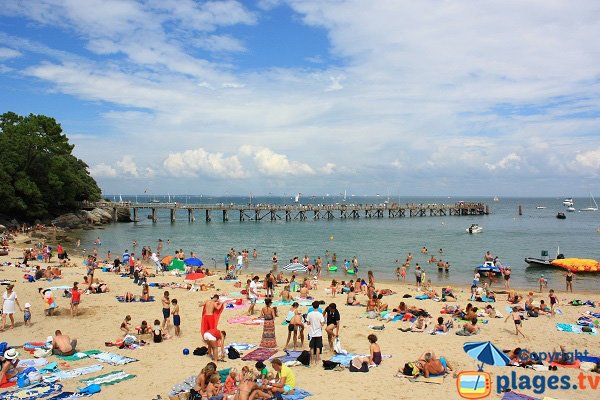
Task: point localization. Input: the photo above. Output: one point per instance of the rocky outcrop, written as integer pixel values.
(95, 217)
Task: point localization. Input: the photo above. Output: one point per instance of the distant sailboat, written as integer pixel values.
(297, 198)
(590, 208)
(344, 195)
(120, 199)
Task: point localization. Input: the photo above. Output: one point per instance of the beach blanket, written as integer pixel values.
(79, 355)
(184, 386)
(109, 379)
(260, 354)
(73, 373)
(290, 355)
(345, 359)
(299, 394)
(32, 392)
(112, 358)
(69, 396)
(517, 396)
(241, 346)
(32, 362)
(574, 329)
(65, 287)
(121, 299)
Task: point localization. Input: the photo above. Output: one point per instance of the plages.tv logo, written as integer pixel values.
(474, 384)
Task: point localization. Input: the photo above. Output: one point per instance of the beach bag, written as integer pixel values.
(359, 366)
(232, 353)
(532, 313)
(201, 351)
(337, 347)
(304, 358)
(329, 365)
(42, 353)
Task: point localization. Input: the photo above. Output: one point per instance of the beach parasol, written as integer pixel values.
(193, 261)
(176, 264)
(295, 267)
(166, 260)
(194, 276)
(487, 353)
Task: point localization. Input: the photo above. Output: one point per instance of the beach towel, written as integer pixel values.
(245, 320)
(282, 303)
(438, 380)
(593, 314)
(108, 379)
(210, 321)
(575, 365)
(260, 354)
(79, 355)
(32, 362)
(241, 346)
(56, 288)
(517, 396)
(184, 386)
(112, 358)
(345, 359)
(32, 392)
(299, 394)
(69, 396)
(121, 299)
(72, 373)
(574, 329)
(589, 359)
(290, 355)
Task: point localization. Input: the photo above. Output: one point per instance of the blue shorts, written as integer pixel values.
(166, 312)
(176, 320)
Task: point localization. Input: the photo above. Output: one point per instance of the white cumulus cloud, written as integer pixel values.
(103, 170)
(511, 160)
(589, 161)
(274, 164)
(128, 166)
(192, 163)
(6, 53)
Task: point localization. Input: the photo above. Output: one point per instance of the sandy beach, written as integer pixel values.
(163, 365)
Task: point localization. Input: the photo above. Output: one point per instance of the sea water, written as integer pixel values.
(377, 243)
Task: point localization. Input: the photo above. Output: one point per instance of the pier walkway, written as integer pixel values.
(299, 212)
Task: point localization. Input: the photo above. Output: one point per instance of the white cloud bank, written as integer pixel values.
(193, 163)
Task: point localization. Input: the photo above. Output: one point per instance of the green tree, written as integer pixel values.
(39, 175)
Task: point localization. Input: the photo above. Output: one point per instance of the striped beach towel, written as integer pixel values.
(73, 373)
(112, 358)
(109, 379)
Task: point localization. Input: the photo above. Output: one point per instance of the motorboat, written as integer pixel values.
(571, 209)
(568, 202)
(591, 208)
(474, 228)
(488, 266)
(561, 215)
(544, 260)
(541, 207)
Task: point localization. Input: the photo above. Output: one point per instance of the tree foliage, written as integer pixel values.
(39, 177)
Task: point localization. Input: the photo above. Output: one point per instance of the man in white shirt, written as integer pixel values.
(315, 322)
(253, 294)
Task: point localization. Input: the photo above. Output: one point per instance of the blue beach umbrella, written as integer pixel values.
(193, 261)
(486, 353)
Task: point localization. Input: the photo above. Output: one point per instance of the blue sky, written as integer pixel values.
(313, 96)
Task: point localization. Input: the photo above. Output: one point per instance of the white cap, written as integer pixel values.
(49, 339)
(27, 305)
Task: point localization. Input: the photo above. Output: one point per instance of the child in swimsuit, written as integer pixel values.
(126, 325)
(516, 319)
(553, 301)
(375, 357)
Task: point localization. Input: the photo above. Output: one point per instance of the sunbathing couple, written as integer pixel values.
(428, 364)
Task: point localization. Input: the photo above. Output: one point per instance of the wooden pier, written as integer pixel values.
(281, 212)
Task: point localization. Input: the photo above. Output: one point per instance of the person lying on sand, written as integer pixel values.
(468, 329)
(419, 326)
